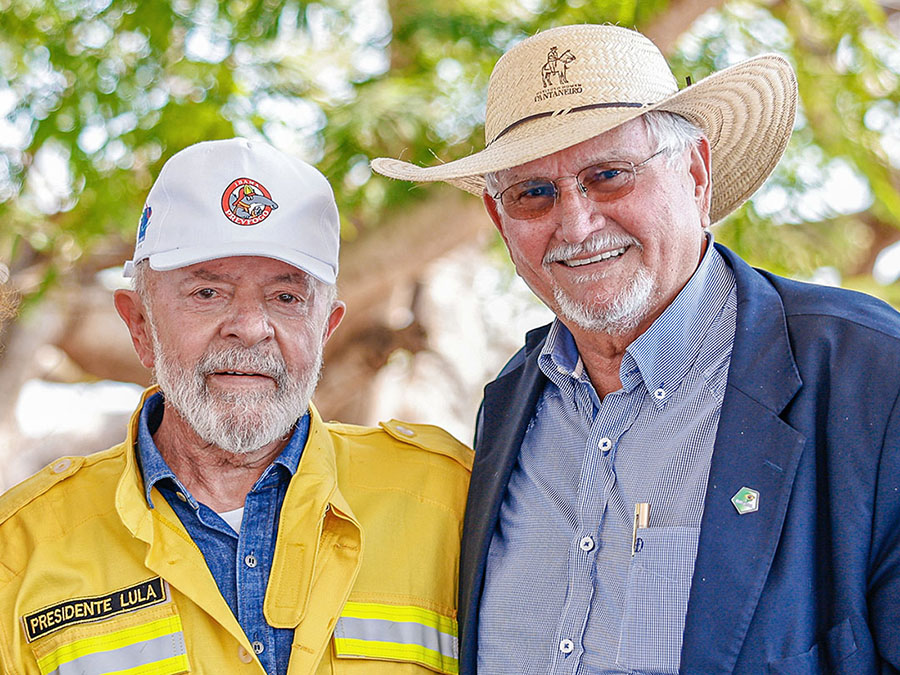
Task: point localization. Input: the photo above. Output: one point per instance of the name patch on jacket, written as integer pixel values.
(82, 610)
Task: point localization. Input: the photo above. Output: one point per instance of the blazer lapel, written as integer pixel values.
(756, 449)
(507, 408)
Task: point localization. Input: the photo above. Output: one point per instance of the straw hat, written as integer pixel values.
(568, 84)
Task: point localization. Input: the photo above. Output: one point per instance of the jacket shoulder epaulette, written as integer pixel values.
(33, 487)
(422, 436)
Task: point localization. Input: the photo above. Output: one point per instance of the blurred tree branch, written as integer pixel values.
(96, 96)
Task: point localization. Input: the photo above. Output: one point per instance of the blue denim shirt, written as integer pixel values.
(240, 563)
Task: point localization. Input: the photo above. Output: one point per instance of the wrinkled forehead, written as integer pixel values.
(244, 271)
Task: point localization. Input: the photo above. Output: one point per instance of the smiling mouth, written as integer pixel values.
(607, 255)
(235, 375)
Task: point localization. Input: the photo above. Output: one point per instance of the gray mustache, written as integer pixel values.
(591, 246)
(245, 361)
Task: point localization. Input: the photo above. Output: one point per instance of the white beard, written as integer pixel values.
(623, 313)
(619, 317)
(237, 422)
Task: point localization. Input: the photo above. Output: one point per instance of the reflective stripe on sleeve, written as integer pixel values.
(402, 633)
(155, 648)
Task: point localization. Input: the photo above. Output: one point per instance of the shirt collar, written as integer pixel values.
(666, 350)
(559, 356)
(155, 469)
(661, 356)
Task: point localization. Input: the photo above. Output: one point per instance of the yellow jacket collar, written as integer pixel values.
(316, 523)
(130, 501)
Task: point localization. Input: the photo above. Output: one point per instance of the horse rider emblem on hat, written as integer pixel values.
(556, 64)
(247, 202)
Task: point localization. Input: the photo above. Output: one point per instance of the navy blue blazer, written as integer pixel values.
(811, 582)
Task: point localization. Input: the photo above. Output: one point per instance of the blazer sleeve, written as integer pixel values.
(884, 581)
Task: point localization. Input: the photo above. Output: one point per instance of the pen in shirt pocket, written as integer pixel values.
(641, 520)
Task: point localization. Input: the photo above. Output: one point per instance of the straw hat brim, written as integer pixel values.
(746, 111)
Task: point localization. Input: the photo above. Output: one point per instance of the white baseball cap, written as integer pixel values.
(238, 197)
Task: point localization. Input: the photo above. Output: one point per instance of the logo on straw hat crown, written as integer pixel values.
(246, 202)
(556, 65)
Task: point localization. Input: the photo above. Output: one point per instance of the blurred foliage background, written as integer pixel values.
(96, 94)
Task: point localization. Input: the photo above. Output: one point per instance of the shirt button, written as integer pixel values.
(406, 431)
(181, 496)
(250, 561)
(605, 445)
(244, 655)
(566, 646)
(258, 647)
(659, 394)
(586, 544)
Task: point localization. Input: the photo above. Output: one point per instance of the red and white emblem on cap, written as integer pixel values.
(247, 202)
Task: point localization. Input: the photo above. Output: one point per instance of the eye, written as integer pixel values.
(530, 190)
(606, 176)
(205, 293)
(602, 173)
(295, 300)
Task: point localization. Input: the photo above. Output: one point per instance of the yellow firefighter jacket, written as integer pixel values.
(93, 581)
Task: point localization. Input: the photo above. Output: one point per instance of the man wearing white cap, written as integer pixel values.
(696, 467)
(234, 531)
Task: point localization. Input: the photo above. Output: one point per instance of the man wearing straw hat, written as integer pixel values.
(696, 467)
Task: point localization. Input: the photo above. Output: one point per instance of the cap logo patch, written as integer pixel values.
(553, 76)
(247, 202)
(145, 221)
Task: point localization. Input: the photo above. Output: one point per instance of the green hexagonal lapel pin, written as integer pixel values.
(746, 500)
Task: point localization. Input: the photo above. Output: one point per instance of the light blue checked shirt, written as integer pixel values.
(562, 592)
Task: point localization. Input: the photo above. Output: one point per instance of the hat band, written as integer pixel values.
(564, 111)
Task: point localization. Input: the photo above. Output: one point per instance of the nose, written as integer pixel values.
(577, 216)
(248, 321)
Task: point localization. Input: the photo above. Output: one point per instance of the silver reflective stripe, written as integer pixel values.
(403, 632)
(125, 658)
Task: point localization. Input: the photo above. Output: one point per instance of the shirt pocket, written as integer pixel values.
(146, 641)
(368, 631)
(656, 599)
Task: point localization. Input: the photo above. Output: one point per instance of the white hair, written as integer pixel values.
(672, 132)
(140, 282)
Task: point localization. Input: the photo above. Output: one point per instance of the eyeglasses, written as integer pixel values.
(602, 182)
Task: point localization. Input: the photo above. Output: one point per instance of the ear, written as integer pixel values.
(131, 309)
(334, 319)
(701, 169)
(490, 204)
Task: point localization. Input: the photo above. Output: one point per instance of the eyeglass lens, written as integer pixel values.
(600, 183)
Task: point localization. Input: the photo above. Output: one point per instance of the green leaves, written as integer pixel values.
(96, 94)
